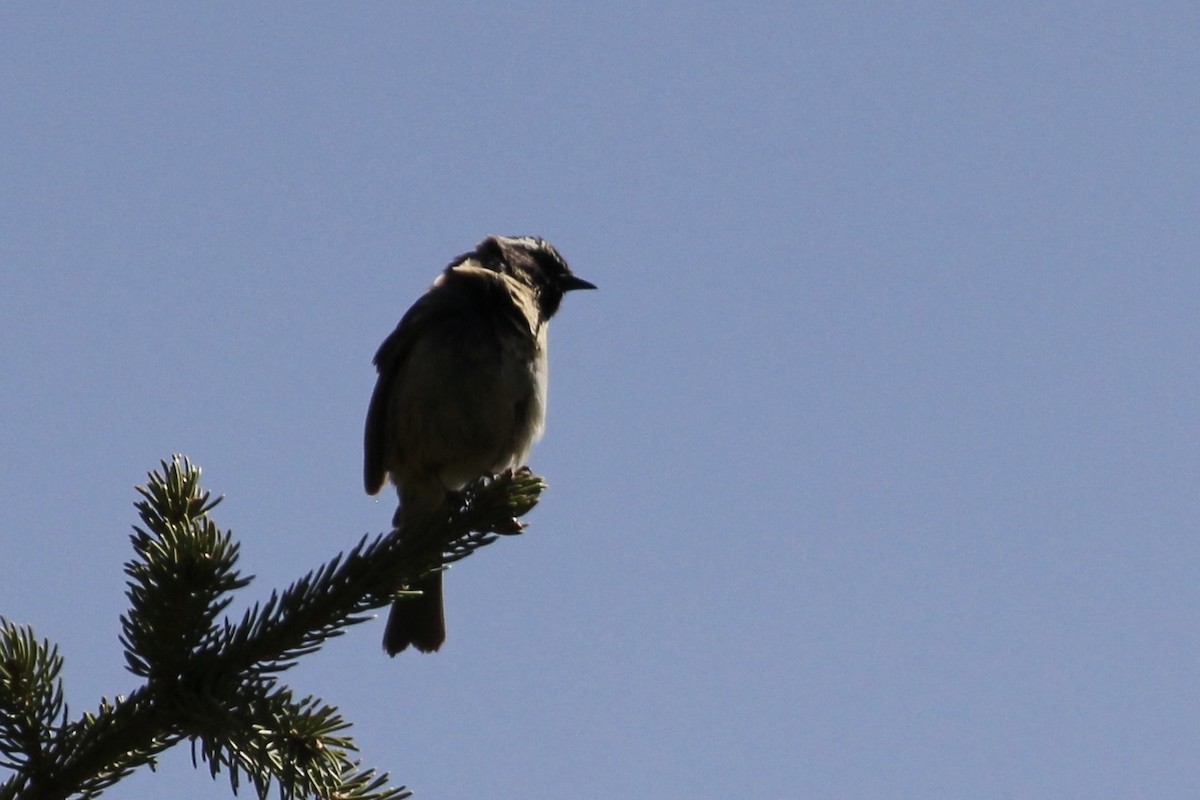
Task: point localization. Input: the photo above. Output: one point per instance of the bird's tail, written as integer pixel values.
(417, 620)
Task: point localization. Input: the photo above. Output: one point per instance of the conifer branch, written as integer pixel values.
(214, 682)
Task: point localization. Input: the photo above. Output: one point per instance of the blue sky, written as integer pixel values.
(873, 462)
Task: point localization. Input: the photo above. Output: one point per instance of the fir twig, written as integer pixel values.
(217, 683)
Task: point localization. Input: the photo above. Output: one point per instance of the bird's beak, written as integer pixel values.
(571, 283)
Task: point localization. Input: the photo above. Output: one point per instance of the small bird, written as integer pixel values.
(461, 393)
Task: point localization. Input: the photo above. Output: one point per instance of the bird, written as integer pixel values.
(460, 394)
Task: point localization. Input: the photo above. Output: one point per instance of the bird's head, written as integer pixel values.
(534, 263)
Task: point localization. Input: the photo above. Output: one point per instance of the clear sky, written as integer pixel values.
(873, 464)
